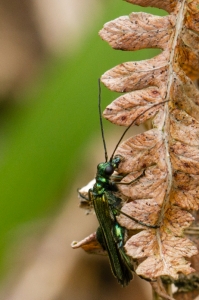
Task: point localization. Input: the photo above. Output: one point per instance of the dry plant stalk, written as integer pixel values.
(161, 166)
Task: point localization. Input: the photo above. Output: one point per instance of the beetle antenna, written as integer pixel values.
(101, 123)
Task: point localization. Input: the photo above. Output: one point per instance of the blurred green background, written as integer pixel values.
(46, 126)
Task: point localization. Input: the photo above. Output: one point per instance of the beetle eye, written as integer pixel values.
(109, 170)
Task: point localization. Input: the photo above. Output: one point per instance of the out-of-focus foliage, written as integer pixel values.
(45, 133)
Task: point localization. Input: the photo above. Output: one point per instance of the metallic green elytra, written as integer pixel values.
(110, 234)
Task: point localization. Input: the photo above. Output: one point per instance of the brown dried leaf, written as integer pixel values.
(90, 245)
(126, 108)
(168, 5)
(132, 76)
(167, 71)
(161, 166)
(123, 32)
(149, 202)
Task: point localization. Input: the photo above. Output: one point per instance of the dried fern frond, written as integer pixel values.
(160, 168)
(168, 155)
